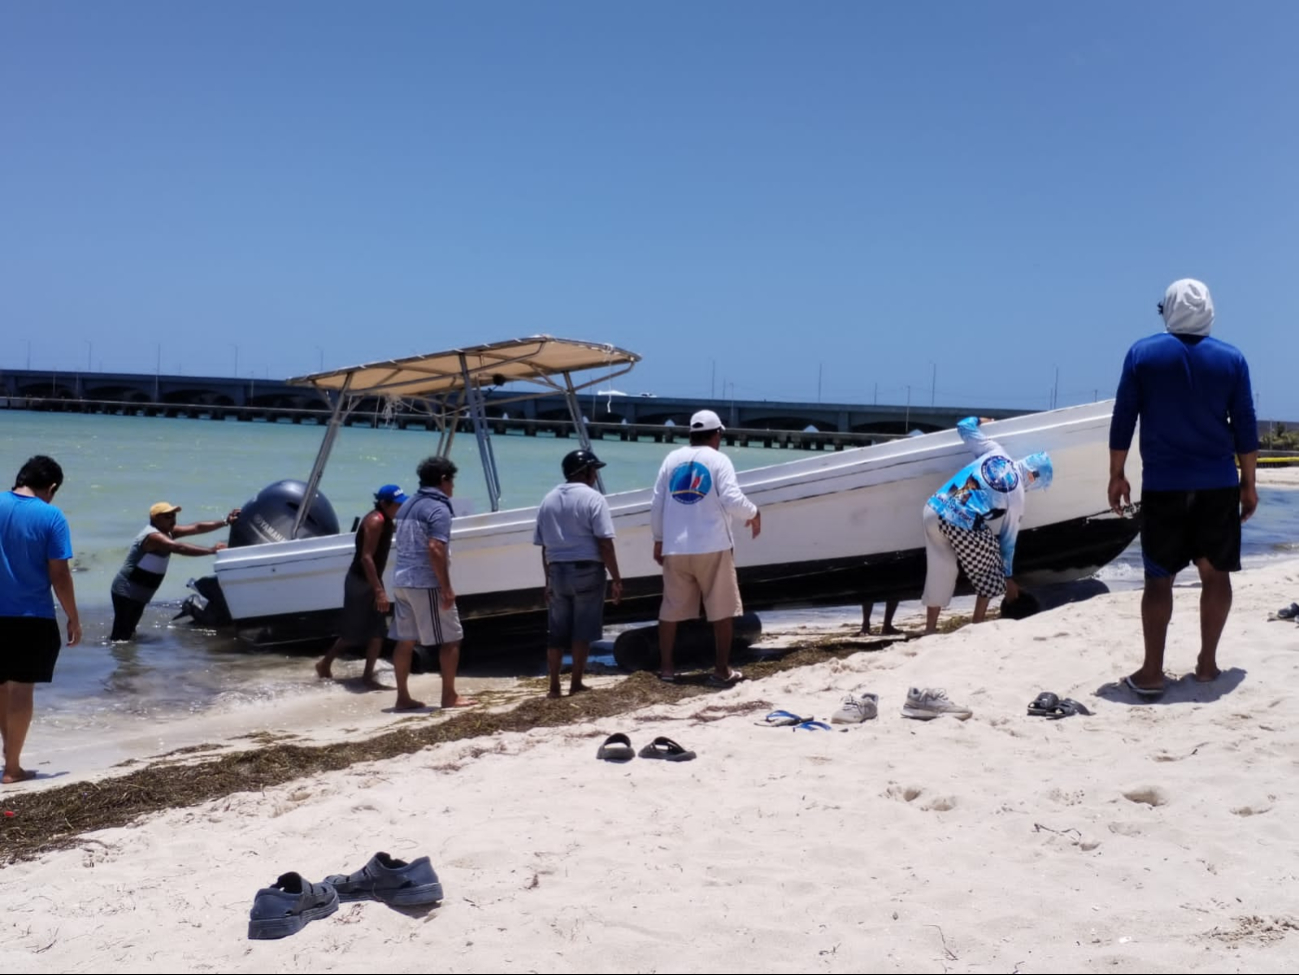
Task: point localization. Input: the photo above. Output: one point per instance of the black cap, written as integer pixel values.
(580, 460)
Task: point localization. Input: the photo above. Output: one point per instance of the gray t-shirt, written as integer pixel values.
(425, 514)
(569, 521)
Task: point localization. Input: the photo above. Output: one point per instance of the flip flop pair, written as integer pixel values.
(618, 748)
(1053, 707)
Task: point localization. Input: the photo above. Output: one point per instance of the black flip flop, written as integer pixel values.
(1044, 705)
(1067, 708)
(1145, 693)
(616, 748)
(1291, 612)
(667, 749)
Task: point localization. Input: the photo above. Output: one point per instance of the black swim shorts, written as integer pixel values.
(1181, 527)
(360, 622)
(29, 647)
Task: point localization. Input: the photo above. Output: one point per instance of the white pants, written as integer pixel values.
(941, 570)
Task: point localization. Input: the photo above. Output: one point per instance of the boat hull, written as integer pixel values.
(837, 529)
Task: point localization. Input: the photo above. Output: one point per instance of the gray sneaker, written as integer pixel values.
(857, 708)
(927, 703)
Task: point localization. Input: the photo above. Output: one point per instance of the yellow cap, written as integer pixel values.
(162, 508)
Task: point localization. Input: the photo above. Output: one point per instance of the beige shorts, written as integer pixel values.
(710, 577)
(941, 570)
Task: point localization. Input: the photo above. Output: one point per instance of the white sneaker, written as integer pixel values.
(931, 702)
(856, 709)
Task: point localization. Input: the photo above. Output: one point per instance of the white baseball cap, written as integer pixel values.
(704, 421)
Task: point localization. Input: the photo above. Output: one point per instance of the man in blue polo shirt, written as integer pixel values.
(35, 547)
(1192, 395)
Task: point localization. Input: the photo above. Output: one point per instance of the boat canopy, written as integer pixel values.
(539, 359)
(452, 385)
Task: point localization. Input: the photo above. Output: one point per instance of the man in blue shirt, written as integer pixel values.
(575, 532)
(35, 547)
(424, 604)
(1192, 395)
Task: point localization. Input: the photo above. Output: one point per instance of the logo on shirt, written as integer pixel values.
(690, 483)
(999, 473)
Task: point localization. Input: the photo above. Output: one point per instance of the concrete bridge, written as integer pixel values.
(273, 399)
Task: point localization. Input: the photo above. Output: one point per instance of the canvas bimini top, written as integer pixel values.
(537, 359)
(450, 386)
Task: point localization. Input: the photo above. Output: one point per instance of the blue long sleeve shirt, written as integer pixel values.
(1193, 398)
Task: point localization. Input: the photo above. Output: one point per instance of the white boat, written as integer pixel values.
(836, 528)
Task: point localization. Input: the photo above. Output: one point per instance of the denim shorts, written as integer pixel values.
(576, 603)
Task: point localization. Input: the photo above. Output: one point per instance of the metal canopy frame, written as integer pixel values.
(453, 385)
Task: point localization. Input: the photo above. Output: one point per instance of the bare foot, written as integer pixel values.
(22, 775)
(1206, 672)
(458, 702)
(370, 684)
(553, 693)
(578, 688)
(408, 704)
(891, 631)
(323, 670)
(864, 631)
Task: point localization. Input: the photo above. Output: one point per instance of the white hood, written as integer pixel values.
(1188, 307)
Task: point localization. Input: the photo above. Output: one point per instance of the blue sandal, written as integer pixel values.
(391, 881)
(810, 725)
(285, 907)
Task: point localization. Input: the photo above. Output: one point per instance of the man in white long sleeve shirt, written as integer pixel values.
(695, 498)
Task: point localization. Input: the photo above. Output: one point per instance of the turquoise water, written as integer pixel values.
(115, 467)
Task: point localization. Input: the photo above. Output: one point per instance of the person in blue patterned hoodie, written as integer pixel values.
(972, 522)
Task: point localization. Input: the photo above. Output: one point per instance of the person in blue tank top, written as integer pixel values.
(35, 548)
(1192, 394)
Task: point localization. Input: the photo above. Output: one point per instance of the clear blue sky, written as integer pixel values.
(864, 191)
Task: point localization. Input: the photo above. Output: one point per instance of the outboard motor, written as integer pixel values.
(269, 517)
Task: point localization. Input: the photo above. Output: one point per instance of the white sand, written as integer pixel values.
(1154, 838)
(1279, 476)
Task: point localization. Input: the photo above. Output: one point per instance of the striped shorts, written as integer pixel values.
(418, 615)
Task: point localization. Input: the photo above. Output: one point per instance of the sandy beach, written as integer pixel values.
(1142, 838)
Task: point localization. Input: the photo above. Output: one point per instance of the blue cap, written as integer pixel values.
(390, 492)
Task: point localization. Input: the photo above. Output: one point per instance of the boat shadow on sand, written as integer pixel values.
(1183, 690)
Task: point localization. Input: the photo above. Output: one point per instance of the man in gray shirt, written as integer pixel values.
(575, 532)
(424, 604)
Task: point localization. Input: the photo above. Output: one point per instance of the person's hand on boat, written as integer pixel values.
(381, 603)
(233, 516)
(1120, 493)
(219, 547)
(448, 600)
(617, 591)
(755, 523)
(658, 552)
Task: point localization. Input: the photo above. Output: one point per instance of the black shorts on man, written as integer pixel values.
(29, 648)
(1182, 527)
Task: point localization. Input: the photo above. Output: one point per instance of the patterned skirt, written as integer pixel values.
(978, 553)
